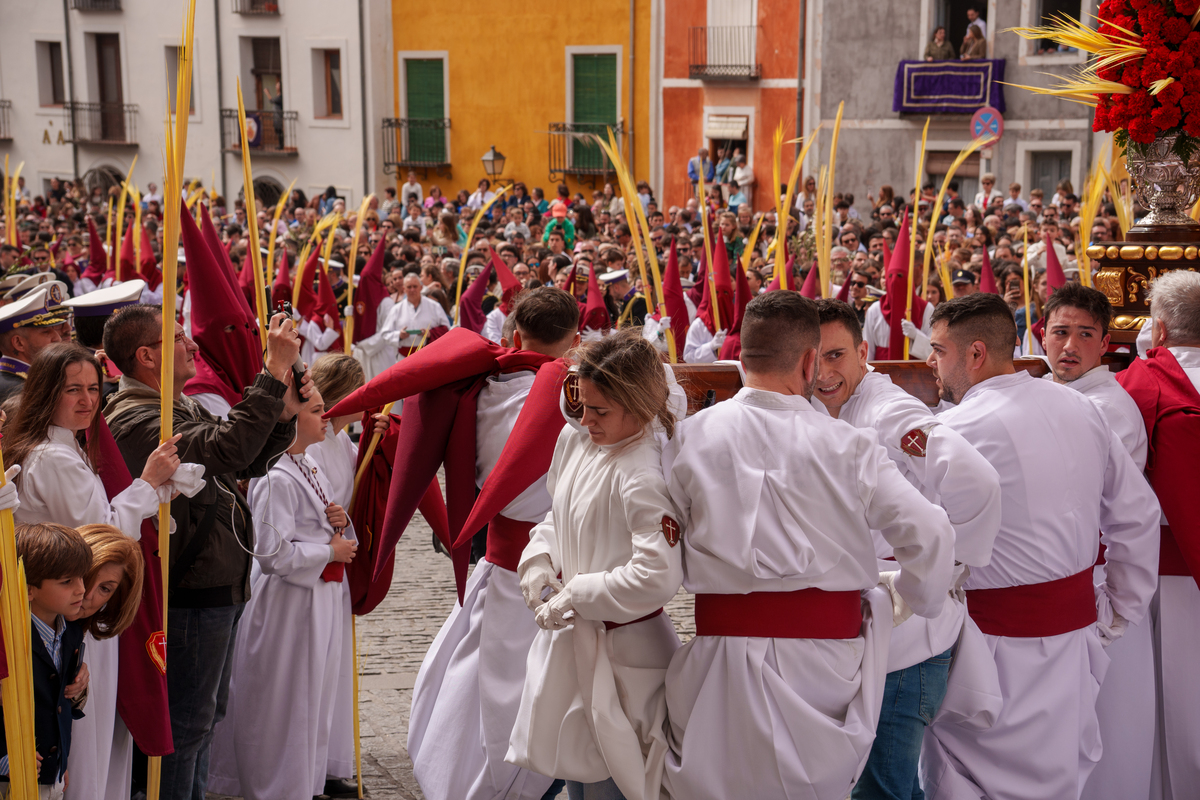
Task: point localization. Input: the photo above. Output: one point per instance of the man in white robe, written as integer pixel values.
(1064, 476)
(778, 695)
(949, 472)
(1076, 338)
(410, 322)
(877, 333)
(468, 690)
(702, 346)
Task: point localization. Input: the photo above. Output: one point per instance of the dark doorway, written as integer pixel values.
(108, 77)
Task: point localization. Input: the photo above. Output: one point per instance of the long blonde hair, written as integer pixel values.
(110, 546)
(629, 371)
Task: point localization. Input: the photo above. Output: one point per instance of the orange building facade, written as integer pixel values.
(731, 71)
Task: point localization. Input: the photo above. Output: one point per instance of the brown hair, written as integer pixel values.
(629, 371)
(43, 387)
(52, 552)
(110, 546)
(546, 315)
(336, 375)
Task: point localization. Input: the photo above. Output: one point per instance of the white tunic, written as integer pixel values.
(493, 325)
(1125, 705)
(57, 485)
(335, 457)
(878, 333)
(274, 743)
(468, 691)
(773, 717)
(951, 474)
(404, 317)
(374, 352)
(698, 347)
(317, 340)
(213, 403)
(1064, 476)
(593, 706)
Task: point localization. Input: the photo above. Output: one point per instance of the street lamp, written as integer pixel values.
(493, 163)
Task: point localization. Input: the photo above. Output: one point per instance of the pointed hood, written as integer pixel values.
(724, 288)
(303, 296)
(1055, 277)
(787, 276)
(673, 300)
(700, 287)
(595, 314)
(230, 350)
(894, 301)
(148, 268)
(246, 278)
(987, 277)
(369, 294)
(731, 349)
(844, 291)
(326, 300)
(812, 288)
(509, 285)
(220, 252)
(281, 290)
(470, 305)
(97, 257)
(126, 269)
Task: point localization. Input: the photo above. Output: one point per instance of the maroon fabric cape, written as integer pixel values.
(369, 294)
(97, 258)
(731, 348)
(595, 313)
(673, 299)
(893, 303)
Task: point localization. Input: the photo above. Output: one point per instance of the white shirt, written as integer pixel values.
(1119, 409)
(479, 199)
(697, 349)
(493, 324)
(496, 410)
(982, 201)
(409, 189)
(403, 317)
(417, 224)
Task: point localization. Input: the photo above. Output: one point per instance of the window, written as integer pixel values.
(327, 84)
(50, 74)
(1047, 11)
(425, 99)
(952, 14)
(966, 176)
(267, 69)
(1049, 167)
(594, 106)
(172, 56)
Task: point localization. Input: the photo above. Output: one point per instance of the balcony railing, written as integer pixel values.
(724, 53)
(5, 130)
(415, 144)
(96, 5)
(268, 132)
(255, 6)
(573, 151)
(100, 123)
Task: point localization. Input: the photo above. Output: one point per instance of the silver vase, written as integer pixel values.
(1163, 183)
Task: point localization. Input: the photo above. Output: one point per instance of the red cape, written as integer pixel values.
(731, 349)
(369, 294)
(673, 300)
(893, 303)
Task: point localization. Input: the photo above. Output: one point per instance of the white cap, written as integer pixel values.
(614, 276)
(105, 302)
(27, 284)
(39, 308)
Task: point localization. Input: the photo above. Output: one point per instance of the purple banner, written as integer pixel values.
(948, 87)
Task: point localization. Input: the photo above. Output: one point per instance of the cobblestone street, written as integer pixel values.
(393, 639)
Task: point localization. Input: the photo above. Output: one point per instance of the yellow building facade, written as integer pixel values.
(526, 78)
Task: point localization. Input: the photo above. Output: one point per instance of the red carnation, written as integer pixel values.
(1142, 130)
(1187, 7)
(1166, 117)
(1171, 95)
(1191, 125)
(1176, 29)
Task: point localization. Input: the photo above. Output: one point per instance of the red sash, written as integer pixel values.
(334, 572)
(1034, 610)
(802, 614)
(1170, 557)
(611, 626)
(506, 540)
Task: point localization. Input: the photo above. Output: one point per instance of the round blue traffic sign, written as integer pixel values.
(987, 123)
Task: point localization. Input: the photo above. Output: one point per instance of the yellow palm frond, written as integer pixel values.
(1110, 48)
(1158, 86)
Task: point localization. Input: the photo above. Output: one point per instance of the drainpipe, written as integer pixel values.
(71, 88)
(362, 80)
(632, 83)
(220, 96)
(800, 79)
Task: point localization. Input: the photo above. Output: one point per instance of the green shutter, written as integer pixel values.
(595, 104)
(424, 87)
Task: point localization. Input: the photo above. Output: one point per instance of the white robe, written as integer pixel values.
(274, 743)
(57, 485)
(877, 332)
(403, 317)
(953, 475)
(593, 705)
(317, 340)
(468, 690)
(335, 456)
(1176, 769)
(493, 325)
(1125, 705)
(374, 352)
(698, 347)
(1064, 476)
(775, 497)
(213, 403)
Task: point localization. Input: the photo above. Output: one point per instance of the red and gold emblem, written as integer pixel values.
(360, 308)
(572, 395)
(156, 648)
(913, 443)
(671, 530)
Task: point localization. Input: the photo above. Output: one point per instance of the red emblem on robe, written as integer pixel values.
(156, 647)
(571, 391)
(670, 529)
(913, 443)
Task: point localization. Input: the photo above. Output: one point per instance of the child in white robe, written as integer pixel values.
(593, 706)
(287, 662)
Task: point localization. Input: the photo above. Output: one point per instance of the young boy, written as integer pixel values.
(56, 561)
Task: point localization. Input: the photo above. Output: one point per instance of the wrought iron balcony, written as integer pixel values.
(724, 53)
(264, 7)
(416, 144)
(268, 132)
(574, 151)
(100, 123)
(5, 130)
(96, 5)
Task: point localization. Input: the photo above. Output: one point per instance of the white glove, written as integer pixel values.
(920, 347)
(8, 493)
(348, 311)
(536, 575)
(718, 340)
(557, 612)
(1109, 624)
(900, 608)
(188, 479)
(664, 325)
(961, 573)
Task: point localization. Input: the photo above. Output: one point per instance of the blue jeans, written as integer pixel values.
(604, 790)
(911, 698)
(199, 665)
(554, 789)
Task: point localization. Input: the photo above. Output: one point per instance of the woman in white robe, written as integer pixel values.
(274, 743)
(593, 706)
(59, 483)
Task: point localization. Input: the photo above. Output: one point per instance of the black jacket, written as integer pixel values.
(210, 562)
(52, 712)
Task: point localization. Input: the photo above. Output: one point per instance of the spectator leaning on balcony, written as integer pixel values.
(939, 49)
(974, 46)
(698, 163)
